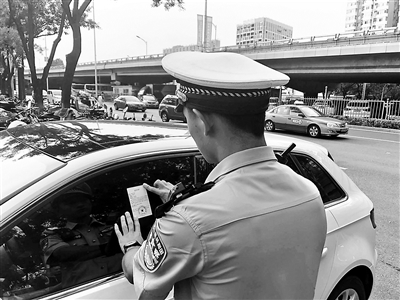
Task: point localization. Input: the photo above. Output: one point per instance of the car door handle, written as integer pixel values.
(324, 251)
(289, 118)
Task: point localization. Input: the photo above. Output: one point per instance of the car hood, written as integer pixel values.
(324, 120)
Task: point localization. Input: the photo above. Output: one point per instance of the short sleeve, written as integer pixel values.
(172, 252)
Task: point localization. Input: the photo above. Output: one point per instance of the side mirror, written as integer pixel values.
(301, 115)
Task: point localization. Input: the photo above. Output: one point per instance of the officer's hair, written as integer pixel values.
(248, 124)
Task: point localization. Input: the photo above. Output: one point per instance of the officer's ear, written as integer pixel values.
(206, 120)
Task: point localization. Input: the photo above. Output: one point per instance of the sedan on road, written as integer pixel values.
(149, 100)
(44, 161)
(167, 110)
(303, 119)
(131, 102)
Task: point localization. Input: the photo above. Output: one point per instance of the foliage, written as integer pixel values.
(380, 123)
(376, 91)
(57, 62)
(11, 52)
(168, 3)
(34, 19)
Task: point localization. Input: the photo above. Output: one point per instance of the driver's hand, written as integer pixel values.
(161, 188)
(130, 231)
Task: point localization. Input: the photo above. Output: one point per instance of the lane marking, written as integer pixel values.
(378, 140)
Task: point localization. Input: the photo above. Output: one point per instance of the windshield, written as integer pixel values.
(132, 99)
(311, 112)
(21, 166)
(149, 97)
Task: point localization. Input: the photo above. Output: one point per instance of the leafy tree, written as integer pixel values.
(34, 19)
(57, 62)
(37, 18)
(74, 14)
(11, 52)
(11, 55)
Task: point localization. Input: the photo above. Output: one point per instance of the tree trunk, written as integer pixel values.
(71, 63)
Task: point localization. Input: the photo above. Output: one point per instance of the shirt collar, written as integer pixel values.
(241, 159)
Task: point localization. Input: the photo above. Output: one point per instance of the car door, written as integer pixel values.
(295, 122)
(331, 194)
(280, 117)
(173, 102)
(27, 272)
(121, 102)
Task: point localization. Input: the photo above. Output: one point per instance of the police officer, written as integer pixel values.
(259, 231)
(82, 246)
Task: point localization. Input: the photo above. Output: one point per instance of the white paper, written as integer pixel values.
(139, 201)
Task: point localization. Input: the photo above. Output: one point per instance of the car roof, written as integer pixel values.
(128, 97)
(170, 96)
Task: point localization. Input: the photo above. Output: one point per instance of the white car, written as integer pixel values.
(357, 109)
(41, 161)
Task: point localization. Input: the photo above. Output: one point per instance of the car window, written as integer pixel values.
(294, 111)
(304, 165)
(36, 251)
(172, 101)
(283, 110)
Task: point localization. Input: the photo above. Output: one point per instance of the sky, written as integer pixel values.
(121, 21)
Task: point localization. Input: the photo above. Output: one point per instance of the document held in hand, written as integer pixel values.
(139, 201)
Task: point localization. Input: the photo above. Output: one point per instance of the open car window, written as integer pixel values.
(36, 251)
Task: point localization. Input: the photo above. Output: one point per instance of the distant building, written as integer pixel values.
(180, 48)
(262, 30)
(363, 15)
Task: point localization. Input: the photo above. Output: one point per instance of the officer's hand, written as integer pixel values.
(161, 188)
(130, 231)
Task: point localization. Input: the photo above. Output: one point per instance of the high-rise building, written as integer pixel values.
(363, 15)
(262, 30)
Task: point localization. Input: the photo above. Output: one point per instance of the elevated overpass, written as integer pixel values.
(311, 63)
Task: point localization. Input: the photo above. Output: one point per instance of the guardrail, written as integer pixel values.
(385, 35)
(365, 109)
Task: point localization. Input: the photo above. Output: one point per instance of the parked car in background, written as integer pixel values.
(54, 96)
(132, 102)
(149, 100)
(303, 119)
(167, 109)
(324, 106)
(357, 109)
(110, 156)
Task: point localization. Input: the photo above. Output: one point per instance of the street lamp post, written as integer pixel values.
(143, 41)
(95, 56)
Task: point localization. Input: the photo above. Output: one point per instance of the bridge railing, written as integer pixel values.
(385, 35)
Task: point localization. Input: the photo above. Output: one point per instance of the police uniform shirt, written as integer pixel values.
(257, 234)
(73, 234)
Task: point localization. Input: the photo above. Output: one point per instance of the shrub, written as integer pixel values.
(392, 124)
